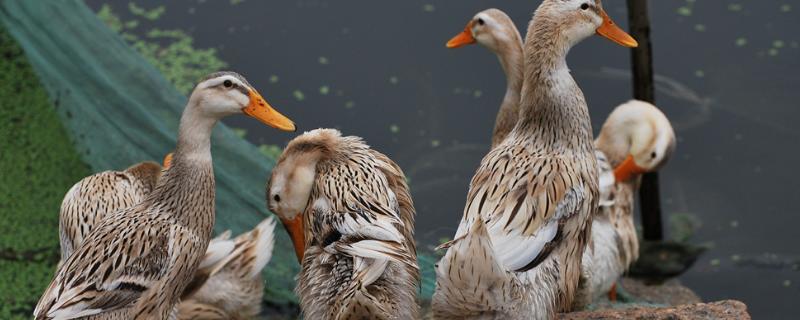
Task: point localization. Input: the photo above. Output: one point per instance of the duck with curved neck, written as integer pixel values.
(350, 215)
(136, 263)
(494, 30)
(525, 224)
(637, 138)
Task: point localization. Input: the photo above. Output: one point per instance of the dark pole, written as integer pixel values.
(643, 89)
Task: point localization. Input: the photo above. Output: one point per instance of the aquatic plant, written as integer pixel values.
(172, 51)
(41, 167)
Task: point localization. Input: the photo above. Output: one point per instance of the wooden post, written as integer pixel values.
(644, 89)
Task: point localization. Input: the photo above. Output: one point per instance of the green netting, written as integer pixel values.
(119, 110)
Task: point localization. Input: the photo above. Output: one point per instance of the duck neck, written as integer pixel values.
(553, 110)
(187, 188)
(511, 60)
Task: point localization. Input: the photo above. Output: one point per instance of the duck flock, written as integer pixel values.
(548, 224)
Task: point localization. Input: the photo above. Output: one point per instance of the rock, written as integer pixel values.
(669, 293)
(726, 309)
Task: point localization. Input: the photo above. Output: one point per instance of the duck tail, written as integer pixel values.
(469, 279)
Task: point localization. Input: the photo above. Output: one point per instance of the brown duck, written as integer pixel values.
(137, 262)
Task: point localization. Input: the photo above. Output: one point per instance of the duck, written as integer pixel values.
(494, 30)
(518, 248)
(350, 216)
(636, 138)
(136, 263)
(606, 259)
(234, 287)
(98, 195)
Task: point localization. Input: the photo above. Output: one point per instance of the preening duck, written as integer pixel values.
(349, 213)
(137, 262)
(636, 138)
(518, 248)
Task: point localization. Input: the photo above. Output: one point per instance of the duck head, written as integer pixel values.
(289, 188)
(638, 138)
(490, 28)
(579, 19)
(227, 93)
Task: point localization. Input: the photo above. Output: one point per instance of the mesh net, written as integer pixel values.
(119, 110)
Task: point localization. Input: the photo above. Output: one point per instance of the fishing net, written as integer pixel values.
(119, 110)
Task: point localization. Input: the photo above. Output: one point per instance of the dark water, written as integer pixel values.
(726, 78)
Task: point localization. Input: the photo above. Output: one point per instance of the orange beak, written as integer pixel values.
(462, 39)
(627, 169)
(295, 229)
(262, 111)
(168, 160)
(611, 31)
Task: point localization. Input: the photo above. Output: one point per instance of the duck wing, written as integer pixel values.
(123, 257)
(525, 199)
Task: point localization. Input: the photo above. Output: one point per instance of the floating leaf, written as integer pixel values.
(323, 60)
(435, 143)
(299, 95)
(349, 104)
(786, 8)
(428, 7)
(772, 52)
(324, 90)
(778, 44)
(240, 132)
(394, 128)
(273, 79)
(394, 80)
(735, 7)
(741, 42)
(700, 27)
(699, 73)
(685, 11)
(477, 93)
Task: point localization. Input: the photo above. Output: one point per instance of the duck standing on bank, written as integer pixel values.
(137, 262)
(350, 216)
(518, 248)
(614, 245)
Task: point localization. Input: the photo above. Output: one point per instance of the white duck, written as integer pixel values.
(517, 252)
(636, 138)
(137, 262)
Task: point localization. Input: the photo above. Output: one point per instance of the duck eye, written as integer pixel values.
(584, 6)
(277, 198)
(652, 155)
(227, 84)
(481, 22)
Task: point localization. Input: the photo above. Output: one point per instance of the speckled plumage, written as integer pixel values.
(235, 287)
(94, 197)
(360, 258)
(517, 252)
(613, 245)
(137, 262)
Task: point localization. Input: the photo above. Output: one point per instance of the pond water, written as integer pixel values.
(726, 77)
